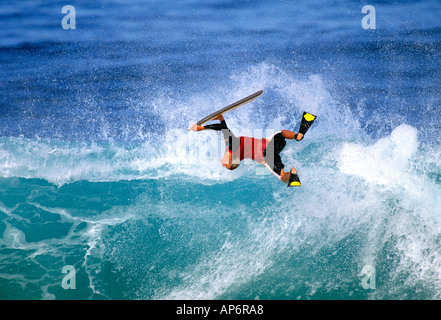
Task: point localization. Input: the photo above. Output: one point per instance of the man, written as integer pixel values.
(265, 151)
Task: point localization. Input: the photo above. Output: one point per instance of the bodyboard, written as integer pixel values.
(230, 107)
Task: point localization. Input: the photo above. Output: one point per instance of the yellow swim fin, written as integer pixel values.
(294, 180)
(306, 122)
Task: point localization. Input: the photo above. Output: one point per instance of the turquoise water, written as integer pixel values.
(99, 172)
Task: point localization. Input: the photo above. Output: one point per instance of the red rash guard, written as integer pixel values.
(250, 148)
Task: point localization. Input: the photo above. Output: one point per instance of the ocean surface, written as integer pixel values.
(99, 175)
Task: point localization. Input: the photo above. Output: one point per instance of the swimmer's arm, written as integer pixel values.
(215, 126)
(228, 156)
(196, 127)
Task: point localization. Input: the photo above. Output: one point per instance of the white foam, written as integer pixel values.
(385, 163)
(237, 261)
(173, 150)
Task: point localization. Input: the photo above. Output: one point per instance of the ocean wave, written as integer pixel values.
(161, 219)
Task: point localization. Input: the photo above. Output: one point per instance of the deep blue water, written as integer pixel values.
(98, 170)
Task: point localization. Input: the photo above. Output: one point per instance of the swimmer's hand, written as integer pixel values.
(195, 127)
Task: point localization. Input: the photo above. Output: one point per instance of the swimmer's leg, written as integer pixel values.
(284, 176)
(288, 134)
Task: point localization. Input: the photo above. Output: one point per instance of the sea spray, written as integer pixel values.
(162, 219)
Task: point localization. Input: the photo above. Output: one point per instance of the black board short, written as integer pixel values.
(272, 152)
